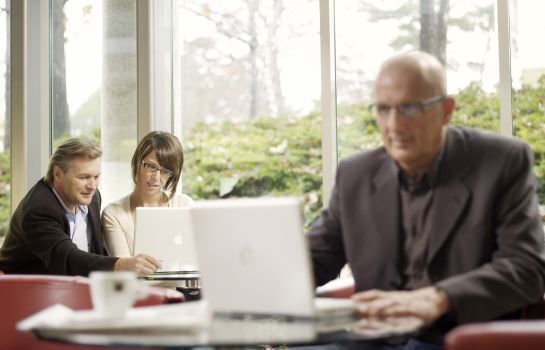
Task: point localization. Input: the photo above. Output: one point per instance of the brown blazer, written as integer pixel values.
(486, 250)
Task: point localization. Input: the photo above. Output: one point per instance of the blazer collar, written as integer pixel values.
(96, 226)
(451, 193)
(385, 207)
(450, 198)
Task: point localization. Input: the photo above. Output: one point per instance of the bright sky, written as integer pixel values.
(83, 50)
(531, 28)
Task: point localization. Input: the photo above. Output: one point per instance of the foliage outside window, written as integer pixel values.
(262, 155)
(246, 85)
(248, 96)
(222, 158)
(460, 33)
(94, 82)
(528, 82)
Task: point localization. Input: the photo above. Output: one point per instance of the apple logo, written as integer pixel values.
(246, 255)
(178, 240)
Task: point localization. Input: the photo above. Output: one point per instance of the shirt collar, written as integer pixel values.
(84, 209)
(429, 177)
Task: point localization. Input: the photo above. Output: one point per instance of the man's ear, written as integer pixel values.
(57, 172)
(448, 108)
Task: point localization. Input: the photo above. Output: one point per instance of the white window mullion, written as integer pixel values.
(154, 72)
(144, 59)
(504, 53)
(162, 65)
(30, 122)
(329, 97)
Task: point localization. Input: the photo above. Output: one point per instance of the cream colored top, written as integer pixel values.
(118, 224)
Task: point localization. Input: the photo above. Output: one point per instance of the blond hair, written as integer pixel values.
(70, 150)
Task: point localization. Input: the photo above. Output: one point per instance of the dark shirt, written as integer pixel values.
(416, 203)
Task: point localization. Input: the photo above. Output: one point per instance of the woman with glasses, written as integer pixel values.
(156, 169)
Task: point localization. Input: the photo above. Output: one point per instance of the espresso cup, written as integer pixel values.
(114, 292)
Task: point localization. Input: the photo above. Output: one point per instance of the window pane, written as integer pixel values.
(368, 32)
(247, 88)
(94, 82)
(528, 76)
(5, 172)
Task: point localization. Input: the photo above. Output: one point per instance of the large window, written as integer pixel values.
(94, 82)
(461, 33)
(239, 82)
(528, 80)
(247, 90)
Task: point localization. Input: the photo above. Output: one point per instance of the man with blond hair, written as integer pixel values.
(56, 228)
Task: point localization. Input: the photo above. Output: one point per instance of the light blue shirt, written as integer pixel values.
(79, 229)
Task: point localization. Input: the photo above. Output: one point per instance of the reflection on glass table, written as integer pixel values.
(186, 282)
(190, 324)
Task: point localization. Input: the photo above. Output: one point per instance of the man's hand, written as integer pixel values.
(141, 264)
(427, 304)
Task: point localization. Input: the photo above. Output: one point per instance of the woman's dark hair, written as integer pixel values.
(169, 153)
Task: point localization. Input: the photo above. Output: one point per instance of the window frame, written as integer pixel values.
(30, 100)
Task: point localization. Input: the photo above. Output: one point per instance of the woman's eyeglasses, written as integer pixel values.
(152, 168)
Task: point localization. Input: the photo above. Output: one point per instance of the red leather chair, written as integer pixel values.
(24, 295)
(498, 335)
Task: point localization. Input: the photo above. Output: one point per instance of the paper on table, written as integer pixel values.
(190, 316)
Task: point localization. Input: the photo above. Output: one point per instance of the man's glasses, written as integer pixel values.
(409, 110)
(152, 168)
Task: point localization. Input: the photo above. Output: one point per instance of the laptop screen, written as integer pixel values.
(253, 256)
(166, 233)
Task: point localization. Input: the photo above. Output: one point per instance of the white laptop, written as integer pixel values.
(166, 233)
(254, 259)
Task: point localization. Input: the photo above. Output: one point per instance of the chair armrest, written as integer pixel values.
(338, 288)
(498, 335)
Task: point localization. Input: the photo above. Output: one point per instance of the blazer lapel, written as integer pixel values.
(385, 208)
(451, 194)
(96, 229)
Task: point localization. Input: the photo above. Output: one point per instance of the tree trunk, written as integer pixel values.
(427, 26)
(441, 30)
(61, 115)
(433, 28)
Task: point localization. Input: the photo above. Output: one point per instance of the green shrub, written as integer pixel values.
(262, 157)
(283, 156)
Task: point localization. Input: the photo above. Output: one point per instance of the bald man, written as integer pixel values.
(441, 222)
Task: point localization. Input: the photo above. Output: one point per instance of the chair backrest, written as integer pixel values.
(24, 295)
(497, 335)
